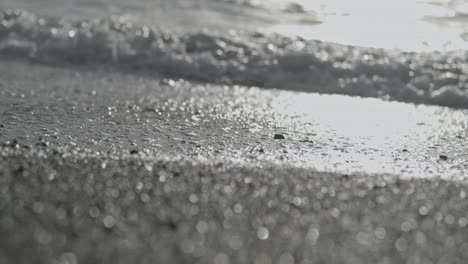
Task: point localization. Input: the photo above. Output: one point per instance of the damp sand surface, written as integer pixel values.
(100, 166)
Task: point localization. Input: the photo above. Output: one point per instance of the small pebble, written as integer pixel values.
(133, 152)
(41, 144)
(443, 157)
(279, 136)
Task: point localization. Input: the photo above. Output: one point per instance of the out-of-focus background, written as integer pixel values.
(406, 24)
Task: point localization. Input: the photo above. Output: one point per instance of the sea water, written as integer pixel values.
(411, 51)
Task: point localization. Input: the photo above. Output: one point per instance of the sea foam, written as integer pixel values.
(241, 58)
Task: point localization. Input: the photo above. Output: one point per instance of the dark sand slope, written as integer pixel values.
(97, 167)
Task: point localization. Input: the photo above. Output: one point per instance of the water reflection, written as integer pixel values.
(371, 136)
(408, 25)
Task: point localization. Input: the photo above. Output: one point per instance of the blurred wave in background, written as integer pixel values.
(415, 25)
(268, 44)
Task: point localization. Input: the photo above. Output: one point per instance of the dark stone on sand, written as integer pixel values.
(443, 157)
(172, 225)
(41, 144)
(14, 143)
(404, 150)
(261, 150)
(133, 152)
(20, 169)
(149, 109)
(279, 136)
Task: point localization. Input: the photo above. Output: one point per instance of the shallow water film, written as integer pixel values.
(223, 132)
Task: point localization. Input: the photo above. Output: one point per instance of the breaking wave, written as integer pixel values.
(241, 58)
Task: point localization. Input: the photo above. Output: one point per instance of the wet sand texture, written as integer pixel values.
(104, 167)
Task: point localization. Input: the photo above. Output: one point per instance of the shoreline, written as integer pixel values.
(240, 58)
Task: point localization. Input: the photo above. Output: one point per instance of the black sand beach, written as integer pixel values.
(106, 167)
(225, 132)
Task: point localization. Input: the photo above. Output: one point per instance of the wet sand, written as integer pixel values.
(105, 167)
